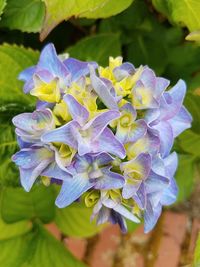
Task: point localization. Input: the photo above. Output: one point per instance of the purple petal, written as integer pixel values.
(151, 217)
(147, 144)
(116, 218)
(170, 194)
(27, 77)
(172, 101)
(99, 123)
(103, 158)
(103, 215)
(54, 171)
(78, 68)
(171, 163)
(72, 189)
(28, 176)
(109, 180)
(123, 71)
(166, 137)
(102, 91)
(137, 130)
(143, 97)
(66, 134)
(126, 213)
(140, 196)
(156, 182)
(31, 157)
(141, 165)
(107, 142)
(78, 112)
(180, 122)
(50, 61)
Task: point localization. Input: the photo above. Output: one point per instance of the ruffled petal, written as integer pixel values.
(72, 189)
(78, 112)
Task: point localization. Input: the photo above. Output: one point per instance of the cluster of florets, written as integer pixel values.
(103, 134)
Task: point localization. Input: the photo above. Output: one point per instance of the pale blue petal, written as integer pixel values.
(151, 217)
(78, 112)
(27, 77)
(72, 189)
(180, 122)
(109, 180)
(126, 213)
(50, 61)
(102, 91)
(121, 72)
(78, 68)
(99, 123)
(107, 142)
(66, 134)
(28, 176)
(166, 137)
(54, 171)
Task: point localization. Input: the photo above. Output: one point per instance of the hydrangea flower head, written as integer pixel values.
(104, 134)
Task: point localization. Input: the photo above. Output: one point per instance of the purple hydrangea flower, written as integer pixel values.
(105, 137)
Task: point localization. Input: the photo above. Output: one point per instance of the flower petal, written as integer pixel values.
(126, 213)
(66, 134)
(166, 137)
(51, 62)
(72, 189)
(151, 217)
(54, 171)
(31, 157)
(180, 122)
(109, 180)
(78, 68)
(102, 91)
(99, 123)
(108, 142)
(78, 112)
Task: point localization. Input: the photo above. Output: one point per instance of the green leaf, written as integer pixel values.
(13, 60)
(74, 220)
(193, 36)
(139, 52)
(185, 177)
(97, 48)
(190, 142)
(196, 261)
(8, 231)
(59, 10)
(24, 15)
(34, 249)
(182, 12)
(2, 6)
(16, 204)
(192, 103)
(8, 146)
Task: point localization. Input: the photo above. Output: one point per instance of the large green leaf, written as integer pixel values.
(8, 146)
(75, 221)
(35, 249)
(192, 102)
(196, 261)
(24, 15)
(185, 176)
(97, 48)
(182, 12)
(13, 60)
(59, 10)
(190, 142)
(16, 204)
(8, 231)
(2, 6)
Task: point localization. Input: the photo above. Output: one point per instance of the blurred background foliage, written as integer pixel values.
(143, 32)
